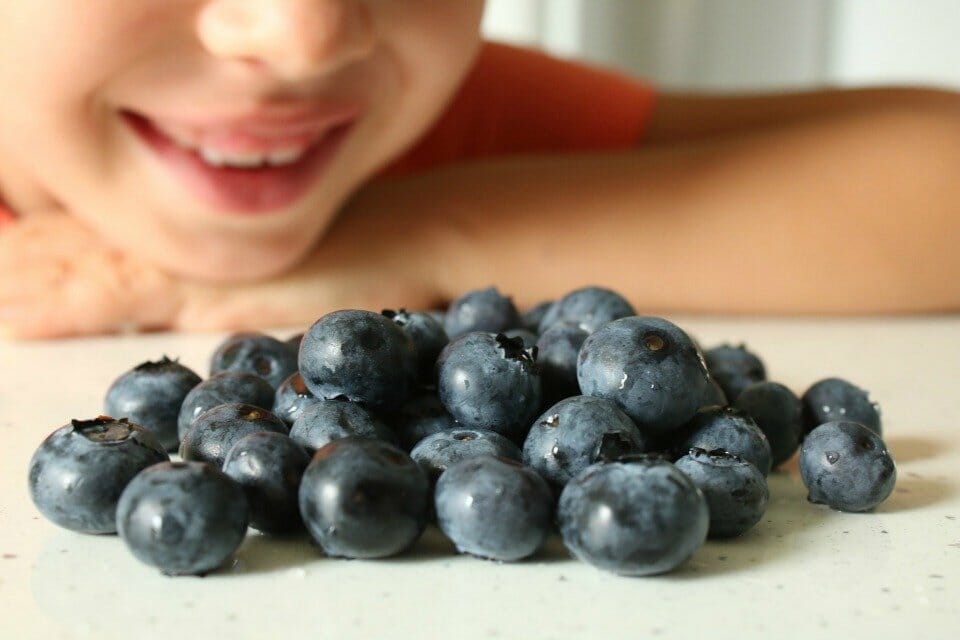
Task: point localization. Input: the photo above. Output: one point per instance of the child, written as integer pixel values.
(379, 154)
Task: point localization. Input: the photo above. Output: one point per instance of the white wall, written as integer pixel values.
(882, 41)
(745, 44)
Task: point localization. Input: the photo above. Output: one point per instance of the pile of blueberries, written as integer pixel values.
(616, 429)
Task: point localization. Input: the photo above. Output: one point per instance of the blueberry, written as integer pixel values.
(438, 315)
(633, 518)
(269, 466)
(151, 395)
(835, 399)
(490, 382)
(481, 310)
(216, 430)
(255, 353)
(713, 395)
(534, 316)
(734, 368)
(329, 420)
(529, 338)
(557, 350)
(494, 508)
(589, 308)
(361, 355)
(419, 417)
(291, 398)
(847, 466)
(577, 432)
(428, 337)
(736, 491)
(649, 367)
(364, 498)
(440, 451)
(729, 429)
(221, 389)
(182, 517)
(776, 410)
(77, 474)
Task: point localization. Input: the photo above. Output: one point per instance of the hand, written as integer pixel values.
(59, 279)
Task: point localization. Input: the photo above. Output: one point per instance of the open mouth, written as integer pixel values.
(243, 174)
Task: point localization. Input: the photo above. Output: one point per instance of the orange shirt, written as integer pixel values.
(519, 101)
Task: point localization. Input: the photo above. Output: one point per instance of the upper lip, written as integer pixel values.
(257, 129)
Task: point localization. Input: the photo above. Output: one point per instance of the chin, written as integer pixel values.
(234, 264)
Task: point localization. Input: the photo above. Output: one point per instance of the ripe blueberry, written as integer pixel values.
(636, 518)
(182, 517)
(151, 395)
(77, 474)
(847, 466)
(494, 508)
(364, 498)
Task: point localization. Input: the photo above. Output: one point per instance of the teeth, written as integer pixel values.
(285, 157)
(251, 160)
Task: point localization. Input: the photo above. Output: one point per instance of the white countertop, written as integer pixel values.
(804, 570)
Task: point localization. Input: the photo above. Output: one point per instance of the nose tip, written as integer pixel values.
(293, 38)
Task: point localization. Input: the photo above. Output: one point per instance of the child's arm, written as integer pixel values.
(850, 212)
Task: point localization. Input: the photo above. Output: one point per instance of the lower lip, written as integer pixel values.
(242, 191)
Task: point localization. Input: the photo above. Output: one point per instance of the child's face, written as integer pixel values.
(95, 91)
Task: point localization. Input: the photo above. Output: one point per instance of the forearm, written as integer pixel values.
(699, 230)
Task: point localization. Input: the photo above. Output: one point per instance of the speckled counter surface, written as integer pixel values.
(805, 571)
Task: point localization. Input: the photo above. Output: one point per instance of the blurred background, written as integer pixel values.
(736, 45)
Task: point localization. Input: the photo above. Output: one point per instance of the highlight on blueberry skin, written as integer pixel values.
(78, 472)
(151, 395)
(494, 508)
(846, 466)
(360, 355)
(736, 492)
(184, 518)
(639, 517)
(364, 498)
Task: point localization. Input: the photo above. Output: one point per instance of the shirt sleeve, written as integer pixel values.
(519, 101)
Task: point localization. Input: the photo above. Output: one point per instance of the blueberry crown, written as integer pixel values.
(103, 429)
(162, 363)
(513, 349)
(400, 317)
